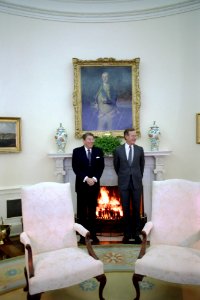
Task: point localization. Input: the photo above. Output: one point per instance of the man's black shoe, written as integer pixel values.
(125, 240)
(95, 239)
(138, 240)
(82, 240)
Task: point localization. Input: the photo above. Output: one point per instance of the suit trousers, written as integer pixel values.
(131, 198)
(86, 207)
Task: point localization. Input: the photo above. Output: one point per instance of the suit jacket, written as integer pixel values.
(81, 168)
(123, 169)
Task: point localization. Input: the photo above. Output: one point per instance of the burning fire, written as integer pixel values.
(109, 206)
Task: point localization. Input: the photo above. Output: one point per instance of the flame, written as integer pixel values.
(109, 207)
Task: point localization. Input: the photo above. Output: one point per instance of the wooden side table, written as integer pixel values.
(11, 248)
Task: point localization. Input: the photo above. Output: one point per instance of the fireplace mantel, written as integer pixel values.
(154, 170)
(158, 156)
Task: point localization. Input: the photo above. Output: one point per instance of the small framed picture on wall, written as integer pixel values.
(10, 134)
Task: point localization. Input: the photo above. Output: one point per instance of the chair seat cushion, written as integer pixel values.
(62, 268)
(170, 263)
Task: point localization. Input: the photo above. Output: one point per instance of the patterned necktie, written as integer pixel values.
(89, 156)
(130, 156)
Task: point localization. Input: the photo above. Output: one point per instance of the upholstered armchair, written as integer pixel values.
(174, 235)
(52, 257)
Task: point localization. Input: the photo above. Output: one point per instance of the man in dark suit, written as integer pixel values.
(129, 165)
(88, 165)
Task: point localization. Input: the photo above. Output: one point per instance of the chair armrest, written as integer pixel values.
(84, 232)
(147, 227)
(145, 232)
(24, 239)
(27, 243)
(80, 229)
(89, 247)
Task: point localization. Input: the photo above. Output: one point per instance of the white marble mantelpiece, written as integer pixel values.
(158, 156)
(154, 170)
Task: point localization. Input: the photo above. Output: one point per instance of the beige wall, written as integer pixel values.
(36, 84)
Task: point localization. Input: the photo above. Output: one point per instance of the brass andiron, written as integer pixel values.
(4, 232)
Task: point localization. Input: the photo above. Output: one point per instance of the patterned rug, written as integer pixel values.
(119, 264)
(116, 258)
(119, 287)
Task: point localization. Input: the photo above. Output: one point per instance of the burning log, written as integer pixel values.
(109, 206)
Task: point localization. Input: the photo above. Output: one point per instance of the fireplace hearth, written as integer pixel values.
(109, 212)
(109, 228)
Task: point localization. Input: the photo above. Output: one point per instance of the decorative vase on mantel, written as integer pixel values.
(154, 133)
(61, 139)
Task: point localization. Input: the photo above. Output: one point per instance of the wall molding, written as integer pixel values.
(10, 193)
(96, 12)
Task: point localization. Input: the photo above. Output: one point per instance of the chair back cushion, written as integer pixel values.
(176, 213)
(48, 216)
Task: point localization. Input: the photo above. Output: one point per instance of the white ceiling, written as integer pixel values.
(97, 10)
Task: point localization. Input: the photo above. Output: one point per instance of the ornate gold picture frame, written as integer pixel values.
(10, 134)
(198, 128)
(106, 96)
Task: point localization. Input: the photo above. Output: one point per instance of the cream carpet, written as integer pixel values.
(119, 287)
(116, 258)
(119, 265)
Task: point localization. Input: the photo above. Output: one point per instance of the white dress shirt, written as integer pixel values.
(128, 149)
(86, 177)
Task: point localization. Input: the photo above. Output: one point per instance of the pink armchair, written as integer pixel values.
(53, 258)
(174, 233)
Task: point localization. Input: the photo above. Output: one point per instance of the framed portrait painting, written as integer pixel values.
(106, 96)
(10, 134)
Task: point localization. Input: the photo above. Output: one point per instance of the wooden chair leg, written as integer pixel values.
(26, 277)
(26, 289)
(135, 279)
(102, 279)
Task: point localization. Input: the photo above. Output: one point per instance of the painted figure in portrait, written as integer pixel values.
(106, 101)
(106, 98)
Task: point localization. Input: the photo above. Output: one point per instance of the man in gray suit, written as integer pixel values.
(129, 165)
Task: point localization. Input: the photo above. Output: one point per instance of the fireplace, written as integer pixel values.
(109, 212)
(108, 204)
(154, 170)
